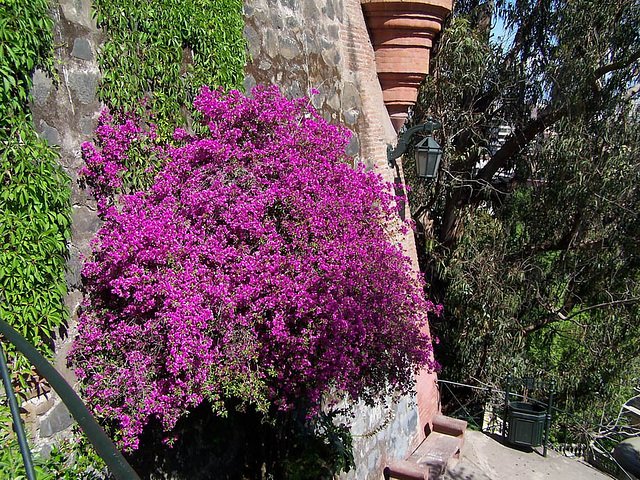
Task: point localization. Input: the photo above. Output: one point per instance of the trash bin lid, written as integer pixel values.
(524, 407)
(627, 453)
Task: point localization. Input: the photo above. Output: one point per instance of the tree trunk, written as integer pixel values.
(451, 217)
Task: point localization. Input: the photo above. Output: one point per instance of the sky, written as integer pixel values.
(499, 32)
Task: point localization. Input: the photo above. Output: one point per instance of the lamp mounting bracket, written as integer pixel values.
(403, 142)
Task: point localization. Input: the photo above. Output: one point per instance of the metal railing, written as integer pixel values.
(103, 445)
(493, 415)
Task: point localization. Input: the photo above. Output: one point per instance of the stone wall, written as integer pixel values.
(316, 45)
(299, 45)
(65, 114)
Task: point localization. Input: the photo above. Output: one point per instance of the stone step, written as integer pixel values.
(432, 456)
(435, 452)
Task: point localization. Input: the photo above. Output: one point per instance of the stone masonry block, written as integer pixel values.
(42, 86)
(82, 49)
(58, 420)
(84, 84)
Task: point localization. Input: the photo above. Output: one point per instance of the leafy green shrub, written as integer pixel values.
(70, 460)
(319, 449)
(74, 459)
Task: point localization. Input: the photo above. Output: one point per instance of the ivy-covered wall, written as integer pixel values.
(134, 55)
(34, 196)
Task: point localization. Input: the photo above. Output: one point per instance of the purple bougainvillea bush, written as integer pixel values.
(259, 266)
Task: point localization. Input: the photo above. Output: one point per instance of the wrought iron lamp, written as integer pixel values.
(428, 152)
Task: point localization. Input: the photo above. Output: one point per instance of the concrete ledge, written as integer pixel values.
(405, 470)
(432, 456)
(436, 451)
(449, 426)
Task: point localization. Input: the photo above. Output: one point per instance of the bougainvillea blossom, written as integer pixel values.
(259, 266)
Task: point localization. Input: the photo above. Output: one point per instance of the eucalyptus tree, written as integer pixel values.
(530, 234)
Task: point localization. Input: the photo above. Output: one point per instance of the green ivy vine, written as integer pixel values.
(26, 42)
(165, 51)
(35, 212)
(158, 55)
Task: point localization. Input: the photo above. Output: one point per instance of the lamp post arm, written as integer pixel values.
(405, 139)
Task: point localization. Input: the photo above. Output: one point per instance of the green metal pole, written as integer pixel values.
(116, 463)
(17, 421)
(547, 425)
(506, 407)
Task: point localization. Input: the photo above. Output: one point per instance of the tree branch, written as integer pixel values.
(518, 140)
(612, 66)
(562, 245)
(602, 305)
(556, 316)
(521, 138)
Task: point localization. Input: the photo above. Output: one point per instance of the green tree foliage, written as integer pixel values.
(532, 241)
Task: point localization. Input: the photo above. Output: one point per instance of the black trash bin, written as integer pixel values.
(525, 423)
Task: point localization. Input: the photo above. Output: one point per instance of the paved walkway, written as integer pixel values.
(485, 458)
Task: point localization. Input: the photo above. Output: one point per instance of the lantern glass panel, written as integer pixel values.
(427, 156)
(421, 162)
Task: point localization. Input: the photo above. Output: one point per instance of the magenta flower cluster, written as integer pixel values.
(123, 142)
(259, 266)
